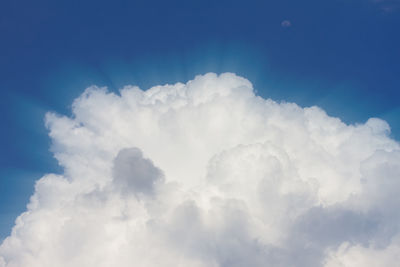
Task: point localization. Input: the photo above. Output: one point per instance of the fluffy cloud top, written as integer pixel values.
(209, 174)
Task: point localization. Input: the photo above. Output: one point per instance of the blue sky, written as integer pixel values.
(342, 55)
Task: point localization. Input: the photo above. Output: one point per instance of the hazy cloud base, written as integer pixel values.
(209, 174)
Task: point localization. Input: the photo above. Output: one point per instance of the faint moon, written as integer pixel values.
(286, 23)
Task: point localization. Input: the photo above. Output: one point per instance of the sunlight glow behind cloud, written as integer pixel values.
(209, 174)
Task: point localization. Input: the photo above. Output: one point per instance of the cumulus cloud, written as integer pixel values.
(209, 174)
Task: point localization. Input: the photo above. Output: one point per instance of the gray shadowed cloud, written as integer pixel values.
(134, 174)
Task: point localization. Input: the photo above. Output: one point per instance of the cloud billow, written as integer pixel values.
(209, 174)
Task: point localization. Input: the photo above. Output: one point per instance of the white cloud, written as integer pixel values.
(209, 174)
